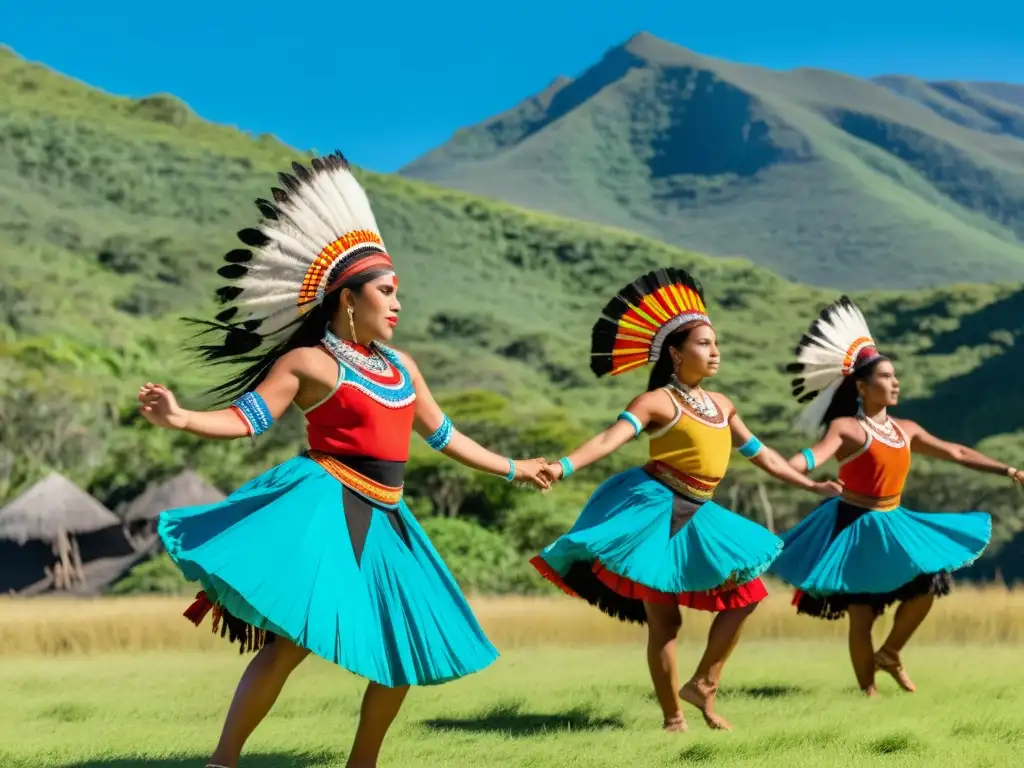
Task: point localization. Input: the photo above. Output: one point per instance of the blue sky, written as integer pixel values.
(386, 81)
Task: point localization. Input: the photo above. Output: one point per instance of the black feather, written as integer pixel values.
(252, 325)
(301, 172)
(807, 398)
(266, 208)
(232, 271)
(798, 391)
(227, 315)
(238, 256)
(280, 196)
(340, 159)
(253, 237)
(288, 180)
(228, 293)
(794, 367)
(318, 165)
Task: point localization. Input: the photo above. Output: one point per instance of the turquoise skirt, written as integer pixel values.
(637, 540)
(297, 554)
(843, 551)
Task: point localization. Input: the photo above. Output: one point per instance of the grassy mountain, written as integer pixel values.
(114, 214)
(822, 177)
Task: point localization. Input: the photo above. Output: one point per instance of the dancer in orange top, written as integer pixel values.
(864, 551)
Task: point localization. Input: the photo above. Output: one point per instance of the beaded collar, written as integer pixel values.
(379, 375)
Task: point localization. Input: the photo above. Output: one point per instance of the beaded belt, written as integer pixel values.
(377, 481)
(679, 482)
(875, 503)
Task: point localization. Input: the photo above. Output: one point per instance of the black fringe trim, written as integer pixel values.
(582, 580)
(249, 638)
(835, 607)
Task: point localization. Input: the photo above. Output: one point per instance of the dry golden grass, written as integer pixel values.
(56, 626)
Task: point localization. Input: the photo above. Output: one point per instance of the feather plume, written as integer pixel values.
(318, 223)
(825, 355)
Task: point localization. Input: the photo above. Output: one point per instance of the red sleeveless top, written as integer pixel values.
(370, 412)
(875, 475)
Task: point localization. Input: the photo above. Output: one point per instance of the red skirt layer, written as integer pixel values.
(714, 600)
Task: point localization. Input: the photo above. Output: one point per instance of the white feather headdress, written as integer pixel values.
(318, 232)
(837, 342)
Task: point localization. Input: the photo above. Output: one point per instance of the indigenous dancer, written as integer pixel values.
(864, 551)
(320, 553)
(650, 539)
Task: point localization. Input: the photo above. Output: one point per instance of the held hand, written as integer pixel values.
(829, 488)
(553, 472)
(159, 406)
(1016, 475)
(533, 471)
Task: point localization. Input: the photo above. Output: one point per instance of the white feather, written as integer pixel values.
(809, 419)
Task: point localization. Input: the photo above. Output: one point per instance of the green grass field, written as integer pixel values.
(572, 698)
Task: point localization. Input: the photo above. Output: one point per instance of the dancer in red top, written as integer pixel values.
(320, 553)
(864, 551)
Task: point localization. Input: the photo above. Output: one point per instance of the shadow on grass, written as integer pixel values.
(763, 691)
(510, 719)
(257, 760)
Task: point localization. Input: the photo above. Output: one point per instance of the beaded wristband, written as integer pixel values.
(511, 471)
(253, 410)
(751, 448)
(633, 420)
(442, 435)
(567, 467)
(809, 458)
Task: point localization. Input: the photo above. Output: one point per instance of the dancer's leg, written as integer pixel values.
(862, 649)
(380, 706)
(908, 618)
(255, 695)
(663, 623)
(722, 638)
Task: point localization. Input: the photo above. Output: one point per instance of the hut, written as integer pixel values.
(185, 489)
(56, 537)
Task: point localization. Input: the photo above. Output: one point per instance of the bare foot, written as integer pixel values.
(871, 692)
(703, 698)
(675, 724)
(888, 661)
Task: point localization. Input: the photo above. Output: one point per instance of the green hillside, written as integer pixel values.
(822, 177)
(114, 214)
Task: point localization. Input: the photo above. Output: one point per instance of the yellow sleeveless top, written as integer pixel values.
(689, 454)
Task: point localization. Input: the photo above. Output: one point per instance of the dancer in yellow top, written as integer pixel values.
(651, 539)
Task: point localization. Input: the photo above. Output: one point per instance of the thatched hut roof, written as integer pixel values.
(51, 506)
(185, 489)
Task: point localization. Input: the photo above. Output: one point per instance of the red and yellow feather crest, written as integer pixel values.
(636, 322)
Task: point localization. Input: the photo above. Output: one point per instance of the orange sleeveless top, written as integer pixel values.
(874, 476)
(689, 454)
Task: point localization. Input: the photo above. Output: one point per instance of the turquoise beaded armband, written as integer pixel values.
(442, 435)
(633, 421)
(567, 467)
(808, 455)
(253, 410)
(751, 448)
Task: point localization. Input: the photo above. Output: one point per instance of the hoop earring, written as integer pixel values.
(352, 325)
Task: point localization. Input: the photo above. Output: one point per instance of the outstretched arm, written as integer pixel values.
(640, 412)
(921, 441)
(433, 426)
(249, 415)
(827, 447)
(770, 461)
